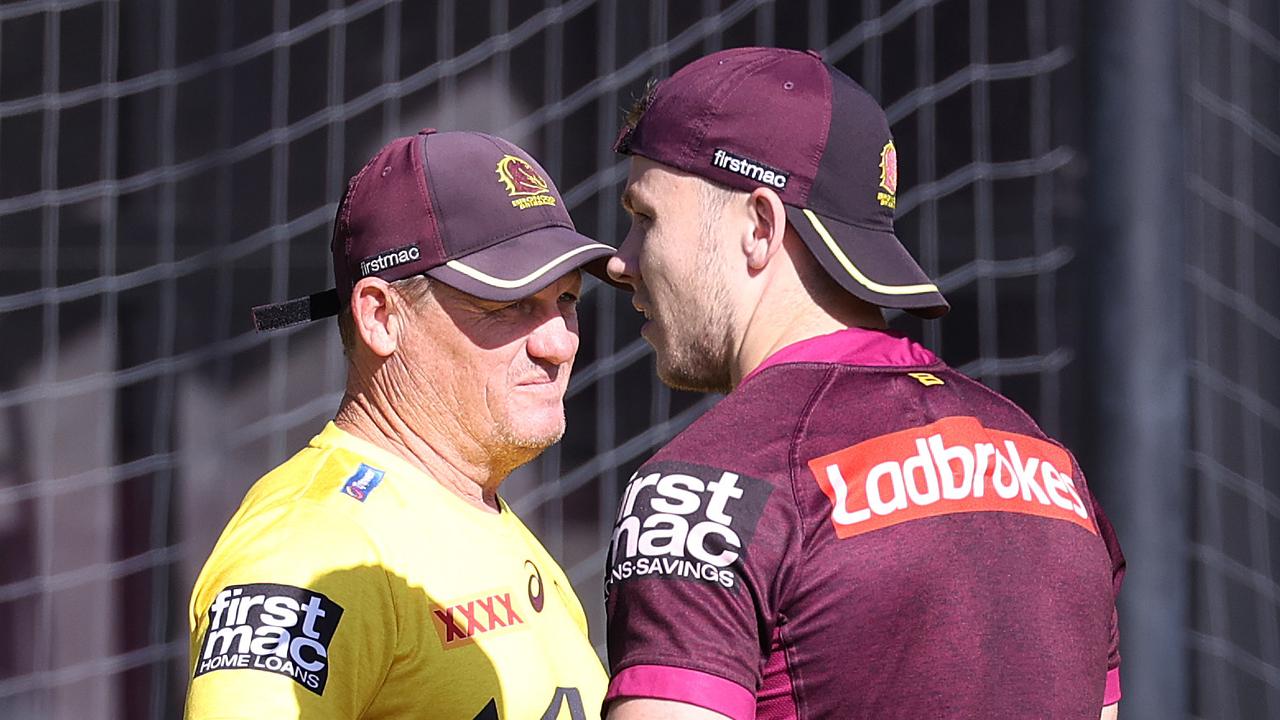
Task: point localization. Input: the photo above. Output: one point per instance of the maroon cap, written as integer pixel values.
(784, 119)
(468, 209)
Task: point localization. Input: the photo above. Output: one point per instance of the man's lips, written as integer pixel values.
(539, 378)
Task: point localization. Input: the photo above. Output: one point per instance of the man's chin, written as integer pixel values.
(537, 442)
(682, 377)
(535, 430)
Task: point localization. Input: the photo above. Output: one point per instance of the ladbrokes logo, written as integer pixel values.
(685, 521)
(278, 628)
(461, 622)
(954, 465)
(524, 183)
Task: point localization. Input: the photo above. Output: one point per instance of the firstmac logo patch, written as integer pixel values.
(685, 521)
(749, 168)
(281, 629)
(389, 259)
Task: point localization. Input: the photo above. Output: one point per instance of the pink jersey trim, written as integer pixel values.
(854, 346)
(705, 690)
(1112, 694)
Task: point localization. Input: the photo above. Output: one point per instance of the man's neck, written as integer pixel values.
(777, 323)
(426, 448)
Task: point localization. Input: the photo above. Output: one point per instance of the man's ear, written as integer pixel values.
(769, 226)
(376, 315)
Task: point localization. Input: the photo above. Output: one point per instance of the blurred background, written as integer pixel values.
(1096, 185)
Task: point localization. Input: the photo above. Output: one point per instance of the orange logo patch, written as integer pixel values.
(888, 176)
(954, 465)
(524, 183)
(460, 623)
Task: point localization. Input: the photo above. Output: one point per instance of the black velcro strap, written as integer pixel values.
(295, 312)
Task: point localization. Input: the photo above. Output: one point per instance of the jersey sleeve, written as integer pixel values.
(696, 563)
(1108, 533)
(292, 617)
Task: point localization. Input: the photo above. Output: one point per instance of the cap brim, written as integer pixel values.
(871, 264)
(523, 265)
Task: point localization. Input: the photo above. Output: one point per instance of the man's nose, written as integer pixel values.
(622, 266)
(554, 341)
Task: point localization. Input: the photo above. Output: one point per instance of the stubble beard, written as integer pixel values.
(530, 442)
(697, 352)
(511, 448)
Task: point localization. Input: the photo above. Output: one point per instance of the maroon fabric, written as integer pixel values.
(448, 196)
(729, 550)
(775, 700)
(878, 255)
(386, 206)
(849, 178)
(763, 104)
(475, 207)
(734, 114)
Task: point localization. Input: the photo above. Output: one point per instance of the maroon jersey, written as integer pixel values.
(859, 531)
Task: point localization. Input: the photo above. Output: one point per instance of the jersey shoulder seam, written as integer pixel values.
(793, 451)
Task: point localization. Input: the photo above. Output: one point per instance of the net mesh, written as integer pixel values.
(168, 165)
(1233, 169)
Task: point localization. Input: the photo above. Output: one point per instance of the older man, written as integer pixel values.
(377, 573)
(856, 530)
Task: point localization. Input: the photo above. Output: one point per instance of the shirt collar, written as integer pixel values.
(853, 346)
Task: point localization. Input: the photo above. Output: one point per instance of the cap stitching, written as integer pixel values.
(342, 226)
(433, 208)
(700, 127)
(829, 89)
(344, 218)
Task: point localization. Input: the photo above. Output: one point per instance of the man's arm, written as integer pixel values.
(313, 578)
(1111, 712)
(649, 709)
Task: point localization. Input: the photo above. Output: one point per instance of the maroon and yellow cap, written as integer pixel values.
(468, 209)
(784, 119)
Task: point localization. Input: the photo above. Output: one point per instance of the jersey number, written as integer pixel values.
(563, 696)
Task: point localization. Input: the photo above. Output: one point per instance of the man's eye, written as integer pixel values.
(568, 297)
(638, 217)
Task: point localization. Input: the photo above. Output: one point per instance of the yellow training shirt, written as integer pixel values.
(351, 585)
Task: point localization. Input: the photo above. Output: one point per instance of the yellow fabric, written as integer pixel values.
(405, 565)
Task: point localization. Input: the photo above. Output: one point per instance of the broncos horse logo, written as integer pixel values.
(520, 177)
(524, 183)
